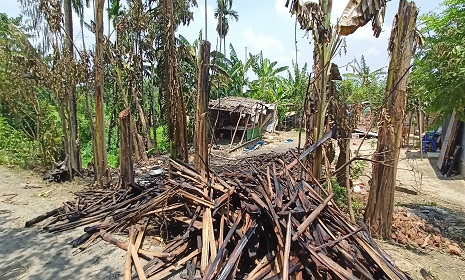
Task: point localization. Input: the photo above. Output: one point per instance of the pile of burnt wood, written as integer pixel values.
(256, 219)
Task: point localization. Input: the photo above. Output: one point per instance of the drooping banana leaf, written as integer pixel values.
(359, 12)
(309, 15)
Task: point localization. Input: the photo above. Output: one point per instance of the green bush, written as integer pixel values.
(357, 168)
(162, 140)
(340, 197)
(15, 147)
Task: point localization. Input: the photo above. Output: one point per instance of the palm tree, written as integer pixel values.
(224, 13)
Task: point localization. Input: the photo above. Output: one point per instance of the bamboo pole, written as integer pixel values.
(235, 130)
(420, 129)
(125, 148)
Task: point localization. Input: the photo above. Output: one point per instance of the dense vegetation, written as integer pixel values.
(34, 98)
(438, 79)
(36, 117)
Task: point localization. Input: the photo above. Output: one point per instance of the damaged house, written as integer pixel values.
(241, 119)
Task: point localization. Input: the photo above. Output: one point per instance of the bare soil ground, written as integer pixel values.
(28, 253)
(445, 197)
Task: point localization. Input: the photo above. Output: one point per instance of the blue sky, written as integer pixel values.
(266, 25)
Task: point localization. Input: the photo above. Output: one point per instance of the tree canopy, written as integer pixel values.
(438, 78)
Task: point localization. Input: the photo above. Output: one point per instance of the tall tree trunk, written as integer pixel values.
(140, 151)
(74, 149)
(153, 111)
(201, 123)
(324, 63)
(343, 177)
(310, 111)
(101, 171)
(140, 103)
(378, 214)
(177, 128)
(206, 19)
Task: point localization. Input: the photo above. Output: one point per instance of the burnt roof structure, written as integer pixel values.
(237, 104)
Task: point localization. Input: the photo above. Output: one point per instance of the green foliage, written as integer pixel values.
(438, 78)
(269, 85)
(15, 147)
(229, 76)
(363, 84)
(28, 108)
(357, 168)
(340, 197)
(295, 88)
(162, 139)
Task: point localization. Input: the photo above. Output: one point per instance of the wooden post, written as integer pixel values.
(245, 128)
(235, 130)
(125, 148)
(380, 207)
(420, 129)
(410, 131)
(201, 124)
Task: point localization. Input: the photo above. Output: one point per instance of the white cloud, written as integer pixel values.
(372, 51)
(283, 60)
(200, 12)
(282, 11)
(260, 42)
(366, 34)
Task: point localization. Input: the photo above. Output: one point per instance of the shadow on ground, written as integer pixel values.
(27, 253)
(433, 163)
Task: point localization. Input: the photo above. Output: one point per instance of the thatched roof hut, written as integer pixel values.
(240, 116)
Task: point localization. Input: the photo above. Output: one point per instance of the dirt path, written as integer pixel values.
(32, 254)
(422, 186)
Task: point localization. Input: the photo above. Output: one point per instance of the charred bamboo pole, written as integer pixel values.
(125, 148)
(287, 248)
(235, 130)
(311, 217)
(128, 263)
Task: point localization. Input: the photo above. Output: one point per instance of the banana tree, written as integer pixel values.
(314, 18)
(295, 84)
(264, 87)
(368, 85)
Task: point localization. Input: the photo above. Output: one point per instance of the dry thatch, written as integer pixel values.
(235, 104)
